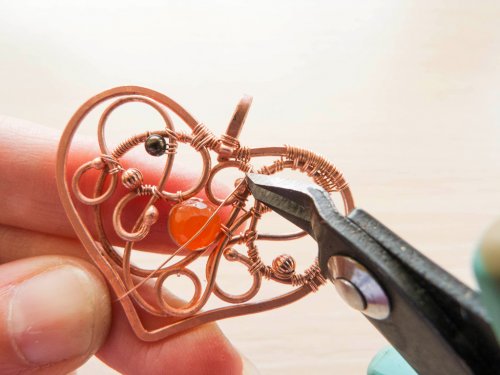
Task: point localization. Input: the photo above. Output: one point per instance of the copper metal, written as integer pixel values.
(132, 178)
(124, 277)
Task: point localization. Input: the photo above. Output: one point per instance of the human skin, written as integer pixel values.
(56, 310)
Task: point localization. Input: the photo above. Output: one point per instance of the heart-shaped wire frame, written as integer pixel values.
(124, 277)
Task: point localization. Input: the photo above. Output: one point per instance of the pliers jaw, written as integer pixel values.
(300, 203)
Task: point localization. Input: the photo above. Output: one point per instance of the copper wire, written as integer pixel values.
(129, 143)
(203, 137)
(126, 278)
(316, 166)
(230, 141)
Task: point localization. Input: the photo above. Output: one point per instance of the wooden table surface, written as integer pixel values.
(402, 95)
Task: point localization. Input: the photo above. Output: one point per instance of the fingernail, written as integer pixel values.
(51, 315)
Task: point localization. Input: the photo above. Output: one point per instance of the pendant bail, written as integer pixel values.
(229, 140)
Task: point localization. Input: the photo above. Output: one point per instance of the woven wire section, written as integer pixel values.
(322, 171)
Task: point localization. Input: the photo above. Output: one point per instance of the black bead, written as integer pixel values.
(155, 145)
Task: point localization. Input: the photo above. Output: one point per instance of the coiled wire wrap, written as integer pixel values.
(316, 166)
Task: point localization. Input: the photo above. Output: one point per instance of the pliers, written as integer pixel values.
(435, 322)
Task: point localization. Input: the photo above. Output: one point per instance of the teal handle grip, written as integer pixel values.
(490, 292)
(389, 362)
(487, 271)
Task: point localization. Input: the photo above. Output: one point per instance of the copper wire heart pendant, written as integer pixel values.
(194, 224)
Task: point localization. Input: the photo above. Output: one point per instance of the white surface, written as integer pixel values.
(402, 95)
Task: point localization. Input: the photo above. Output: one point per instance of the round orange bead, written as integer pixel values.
(187, 218)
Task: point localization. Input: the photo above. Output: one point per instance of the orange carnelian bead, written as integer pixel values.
(187, 218)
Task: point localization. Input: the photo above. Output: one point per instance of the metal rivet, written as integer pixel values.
(357, 287)
(350, 294)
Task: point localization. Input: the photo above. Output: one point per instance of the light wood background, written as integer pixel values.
(402, 95)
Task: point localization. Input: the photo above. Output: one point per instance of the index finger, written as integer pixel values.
(28, 185)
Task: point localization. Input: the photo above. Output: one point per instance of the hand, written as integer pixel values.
(55, 308)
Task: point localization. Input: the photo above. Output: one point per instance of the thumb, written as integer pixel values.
(54, 314)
